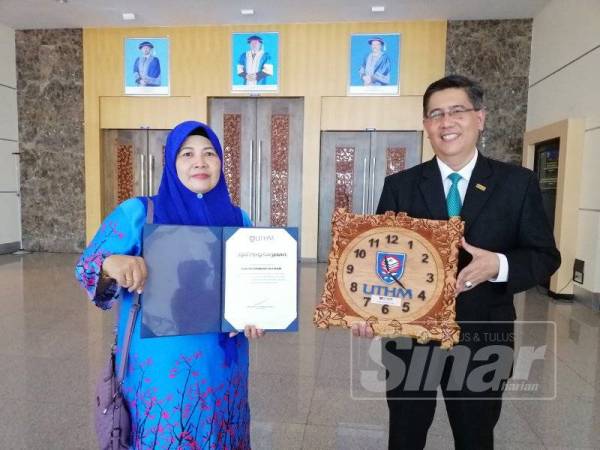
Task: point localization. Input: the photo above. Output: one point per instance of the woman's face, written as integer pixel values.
(198, 164)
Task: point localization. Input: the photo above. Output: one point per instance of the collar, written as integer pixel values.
(465, 172)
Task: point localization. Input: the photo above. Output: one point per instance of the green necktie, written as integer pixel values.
(453, 200)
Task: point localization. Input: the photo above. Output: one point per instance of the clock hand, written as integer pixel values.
(387, 267)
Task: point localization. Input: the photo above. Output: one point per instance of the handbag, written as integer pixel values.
(112, 416)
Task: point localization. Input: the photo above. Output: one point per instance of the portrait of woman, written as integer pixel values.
(146, 66)
(374, 64)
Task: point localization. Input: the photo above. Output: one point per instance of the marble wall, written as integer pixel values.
(495, 53)
(50, 102)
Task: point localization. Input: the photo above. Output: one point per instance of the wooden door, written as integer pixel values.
(234, 122)
(278, 190)
(344, 179)
(124, 162)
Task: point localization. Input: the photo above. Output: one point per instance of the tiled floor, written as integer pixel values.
(305, 391)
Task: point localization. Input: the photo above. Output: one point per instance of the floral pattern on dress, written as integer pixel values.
(183, 392)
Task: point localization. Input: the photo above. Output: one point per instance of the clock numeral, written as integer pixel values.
(405, 307)
(410, 244)
(360, 253)
(374, 242)
(392, 238)
(429, 278)
(385, 309)
(367, 300)
(349, 268)
(422, 295)
(425, 259)
(353, 287)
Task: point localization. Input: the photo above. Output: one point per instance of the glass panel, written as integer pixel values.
(344, 177)
(125, 174)
(395, 160)
(280, 137)
(232, 143)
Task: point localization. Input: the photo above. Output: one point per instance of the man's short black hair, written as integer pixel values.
(472, 88)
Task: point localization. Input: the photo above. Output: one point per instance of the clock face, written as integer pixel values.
(391, 273)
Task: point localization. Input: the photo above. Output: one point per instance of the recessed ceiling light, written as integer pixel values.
(128, 16)
(377, 8)
(62, 2)
(247, 12)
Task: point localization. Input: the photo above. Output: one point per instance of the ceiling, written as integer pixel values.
(29, 14)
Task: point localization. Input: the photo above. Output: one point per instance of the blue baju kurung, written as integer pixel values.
(182, 391)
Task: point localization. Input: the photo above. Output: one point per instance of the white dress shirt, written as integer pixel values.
(463, 183)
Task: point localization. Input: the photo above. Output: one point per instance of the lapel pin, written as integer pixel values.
(481, 187)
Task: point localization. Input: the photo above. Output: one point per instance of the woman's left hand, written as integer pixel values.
(250, 331)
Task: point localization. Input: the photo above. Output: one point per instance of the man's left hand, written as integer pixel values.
(483, 267)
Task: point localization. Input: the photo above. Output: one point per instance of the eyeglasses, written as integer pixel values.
(458, 113)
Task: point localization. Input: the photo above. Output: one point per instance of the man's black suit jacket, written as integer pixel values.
(503, 213)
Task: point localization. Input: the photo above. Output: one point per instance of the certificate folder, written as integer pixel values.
(187, 267)
(183, 290)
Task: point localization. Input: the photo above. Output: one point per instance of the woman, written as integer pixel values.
(183, 391)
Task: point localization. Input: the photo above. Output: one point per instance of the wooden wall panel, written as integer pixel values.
(313, 64)
(381, 113)
(147, 112)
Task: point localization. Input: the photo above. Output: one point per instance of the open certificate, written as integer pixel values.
(261, 278)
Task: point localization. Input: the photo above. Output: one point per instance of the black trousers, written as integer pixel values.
(472, 377)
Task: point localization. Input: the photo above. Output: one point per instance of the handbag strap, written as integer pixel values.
(133, 311)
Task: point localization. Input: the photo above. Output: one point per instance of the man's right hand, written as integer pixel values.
(362, 329)
(130, 272)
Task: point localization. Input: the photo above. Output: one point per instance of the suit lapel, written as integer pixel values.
(481, 186)
(432, 190)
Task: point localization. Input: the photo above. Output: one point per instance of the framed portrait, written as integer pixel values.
(255, 62)
(147, 66)
(374, 67)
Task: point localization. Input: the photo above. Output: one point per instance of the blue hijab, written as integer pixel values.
(177, 205)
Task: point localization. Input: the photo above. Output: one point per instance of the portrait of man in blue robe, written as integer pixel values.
(146, 68)
(254, 66)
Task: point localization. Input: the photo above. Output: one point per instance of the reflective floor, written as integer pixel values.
(314, 389)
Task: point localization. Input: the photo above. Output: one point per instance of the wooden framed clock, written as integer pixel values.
(396, 272)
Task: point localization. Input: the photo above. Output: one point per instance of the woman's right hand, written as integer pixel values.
(130, 272)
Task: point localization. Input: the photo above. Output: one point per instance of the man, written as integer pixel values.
(254, 65)
(146, 68)
(508, 248)
(376, 67)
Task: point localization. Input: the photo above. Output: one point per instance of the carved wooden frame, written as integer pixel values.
(436, 324)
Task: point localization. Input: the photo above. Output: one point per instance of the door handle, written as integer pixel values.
(151, 176)
(258, 176)
(372, 187)
(142, 175)
(364, 186)
(252, 171)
